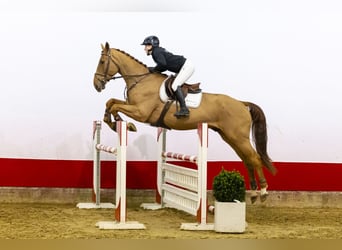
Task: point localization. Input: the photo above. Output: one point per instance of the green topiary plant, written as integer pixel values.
(229, 186)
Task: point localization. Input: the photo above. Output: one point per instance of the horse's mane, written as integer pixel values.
(132, 57)
(125, 53)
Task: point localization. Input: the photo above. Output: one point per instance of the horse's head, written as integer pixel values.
(106, 69)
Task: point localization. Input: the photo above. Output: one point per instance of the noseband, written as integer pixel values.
(104, 76)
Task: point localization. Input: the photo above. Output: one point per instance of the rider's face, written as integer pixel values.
(148, 49)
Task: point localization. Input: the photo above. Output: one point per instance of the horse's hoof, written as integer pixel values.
(131, 127)
(106, 120)
(113, 127)
(253, 199)
(263, 197)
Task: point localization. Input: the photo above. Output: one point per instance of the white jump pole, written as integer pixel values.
(96, 190)
(120, 209)
(192, 196)
(120, 196)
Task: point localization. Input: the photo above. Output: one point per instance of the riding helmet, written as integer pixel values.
(151, 40)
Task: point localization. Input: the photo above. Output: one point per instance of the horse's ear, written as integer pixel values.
(107, 46)
(102, 46)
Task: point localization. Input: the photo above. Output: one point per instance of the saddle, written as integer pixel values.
(186, 88)
(192, 95)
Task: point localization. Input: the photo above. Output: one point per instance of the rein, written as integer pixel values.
(126, 76)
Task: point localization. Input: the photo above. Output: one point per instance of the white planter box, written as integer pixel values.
(230, 217)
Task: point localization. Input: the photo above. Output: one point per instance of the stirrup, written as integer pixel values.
(182, 113)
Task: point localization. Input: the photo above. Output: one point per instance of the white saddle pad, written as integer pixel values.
(191, 100)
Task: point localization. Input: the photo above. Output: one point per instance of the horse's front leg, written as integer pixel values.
(108, 115)
(113, 106)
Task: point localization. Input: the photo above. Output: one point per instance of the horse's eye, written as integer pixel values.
(102, 61)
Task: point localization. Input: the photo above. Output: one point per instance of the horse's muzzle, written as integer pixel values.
(99, 85)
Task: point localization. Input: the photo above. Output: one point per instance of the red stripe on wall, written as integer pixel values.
(291, 176)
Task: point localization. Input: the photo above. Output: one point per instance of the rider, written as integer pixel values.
(175, 63)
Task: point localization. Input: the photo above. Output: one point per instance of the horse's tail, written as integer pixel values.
(259, 133)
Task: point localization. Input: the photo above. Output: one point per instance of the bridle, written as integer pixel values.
(106, 78)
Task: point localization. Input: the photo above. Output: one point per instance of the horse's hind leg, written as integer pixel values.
(263, 184)
(253, 184)
(252, 161)
(251, 174)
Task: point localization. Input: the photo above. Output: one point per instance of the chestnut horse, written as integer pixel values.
(231, 118)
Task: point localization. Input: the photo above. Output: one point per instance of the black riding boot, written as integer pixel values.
(184, 111)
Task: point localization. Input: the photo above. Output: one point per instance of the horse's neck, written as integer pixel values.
(127, 64)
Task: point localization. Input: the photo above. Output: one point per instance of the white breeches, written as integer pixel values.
(184, 74)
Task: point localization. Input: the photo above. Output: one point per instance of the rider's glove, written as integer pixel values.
(151, 69)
